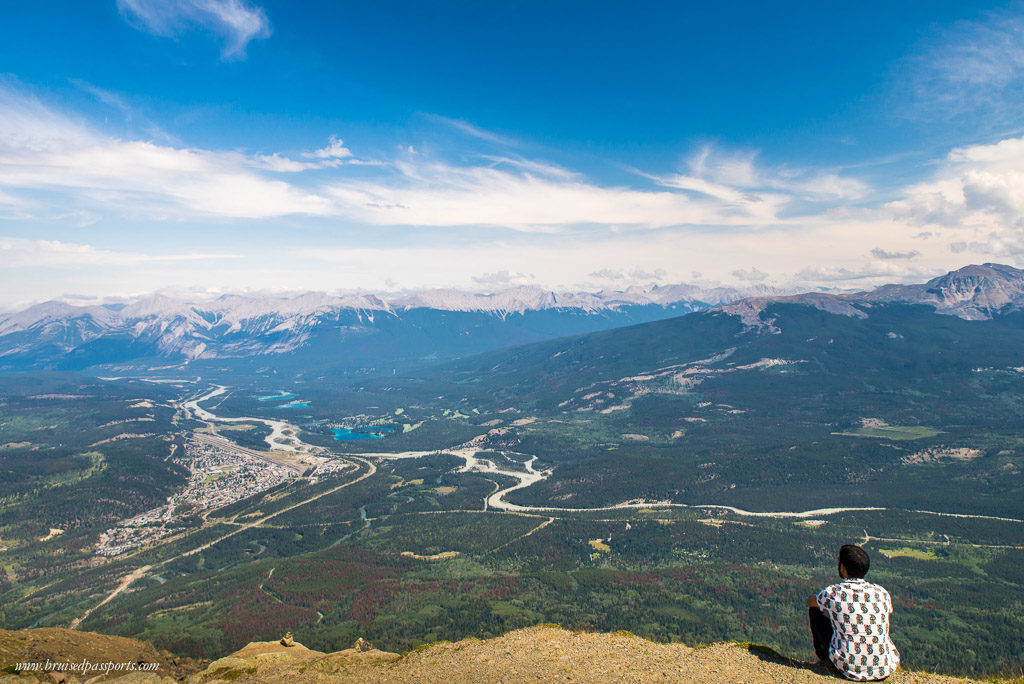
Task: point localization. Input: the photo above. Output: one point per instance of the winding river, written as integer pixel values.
(284, 437)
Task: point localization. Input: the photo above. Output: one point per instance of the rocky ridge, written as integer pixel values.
(179, 329)
(377, 329)
(58, 645)
(543, 653)
(974, 293)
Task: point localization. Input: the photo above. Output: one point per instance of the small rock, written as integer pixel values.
(287, 640)
(362, 645)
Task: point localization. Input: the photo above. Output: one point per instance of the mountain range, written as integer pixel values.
(373, 331)
(353, 330)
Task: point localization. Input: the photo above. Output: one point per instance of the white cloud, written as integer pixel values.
(333, 155)
(731, 219)
(532, 166)
(276, 162)
(712, 171)
(994, 245)
(44, 150)
(752, 275)
(503, 278)
(236, 21)
(41, 150)
(880, 253)
(865, 275)
(976, 187)
(335, 149)
(607, 274)
(153, 180)
(637, 275)
(21, 252)
(439, 194)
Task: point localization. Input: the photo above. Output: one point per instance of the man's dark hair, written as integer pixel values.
(855, 560)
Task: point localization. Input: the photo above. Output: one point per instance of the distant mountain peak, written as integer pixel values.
(974, 292)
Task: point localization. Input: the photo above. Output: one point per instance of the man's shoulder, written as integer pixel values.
(871, 586)
(852, 585)
(866, 593)
(846, 585)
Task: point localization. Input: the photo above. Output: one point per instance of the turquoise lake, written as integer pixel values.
(349, 435)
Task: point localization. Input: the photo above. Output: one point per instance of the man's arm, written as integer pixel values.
(812, 600)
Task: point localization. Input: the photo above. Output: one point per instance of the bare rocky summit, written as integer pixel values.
(536, 654)
(973, 293)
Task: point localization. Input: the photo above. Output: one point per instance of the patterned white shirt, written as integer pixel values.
(861, 648)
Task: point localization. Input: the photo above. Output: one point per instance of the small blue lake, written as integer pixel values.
(350, 435)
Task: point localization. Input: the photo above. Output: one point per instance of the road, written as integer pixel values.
(295, 444)
(495, 501)
(143, 571)
(125, 583)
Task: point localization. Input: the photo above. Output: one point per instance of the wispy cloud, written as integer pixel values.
(45, 151)
(236, 21)
(134, 119)
(441, 194)
(862, 274)
(503, 278)
(885, 255)
(972, 69)
(42, 150)
(751, 275)
(22, 252)
(474, 131)
(726, 215)
(738, 177)
(636, 275)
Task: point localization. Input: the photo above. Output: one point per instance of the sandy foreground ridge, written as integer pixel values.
(536, 654)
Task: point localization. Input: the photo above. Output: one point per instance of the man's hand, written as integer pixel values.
(812, 601)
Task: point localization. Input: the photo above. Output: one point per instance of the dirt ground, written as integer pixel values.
(538, 654)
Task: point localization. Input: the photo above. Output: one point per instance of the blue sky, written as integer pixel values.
(235, 145)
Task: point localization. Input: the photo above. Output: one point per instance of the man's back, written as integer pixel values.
(859, 612)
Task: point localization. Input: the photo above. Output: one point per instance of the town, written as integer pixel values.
(218, 476)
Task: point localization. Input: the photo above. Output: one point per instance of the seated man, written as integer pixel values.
(850, 622)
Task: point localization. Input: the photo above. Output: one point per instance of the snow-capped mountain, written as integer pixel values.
(351, 329)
